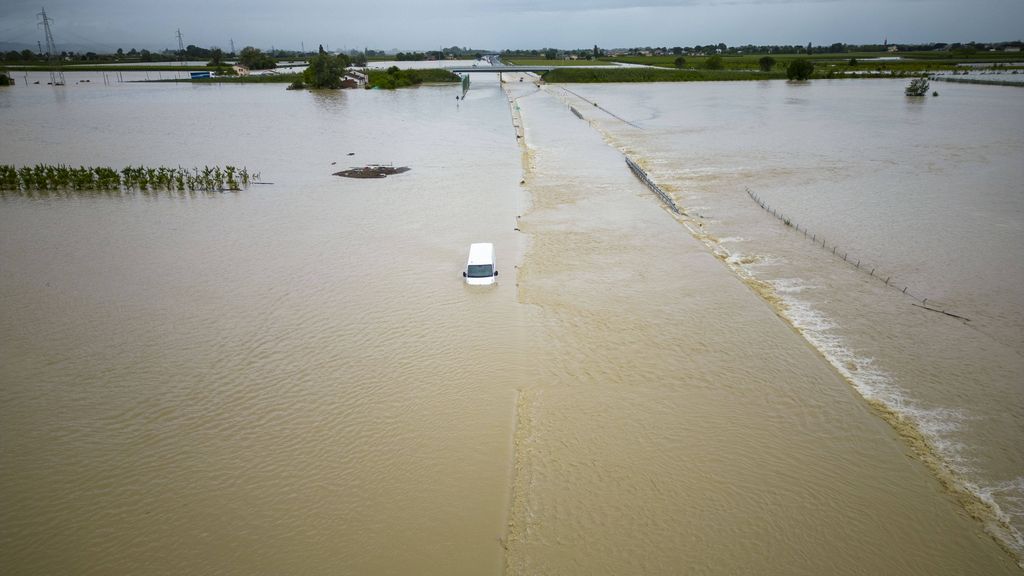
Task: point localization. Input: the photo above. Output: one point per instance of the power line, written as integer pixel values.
(181, 48)
(52, 58)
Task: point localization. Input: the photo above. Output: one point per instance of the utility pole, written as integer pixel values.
(232, 46)
(181, 49)
(52, 58)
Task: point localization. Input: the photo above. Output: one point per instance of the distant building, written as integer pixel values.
(353, 79)
(241, 70)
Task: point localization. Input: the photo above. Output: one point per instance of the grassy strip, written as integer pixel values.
(585, 75)
(396, 78)
(910, 61)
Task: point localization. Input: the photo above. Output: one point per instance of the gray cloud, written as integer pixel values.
(406, 24)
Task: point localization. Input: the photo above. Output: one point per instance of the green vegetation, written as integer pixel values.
(800, 69)
(451, 53)
(917, 87)
(679, 62)
(766, 63)
(394, 77)
(325, 70)
(255, 59)
(714, 63)
(216, 58)
(45, 178)
(5, 80)
(861, 62)
(587, 75)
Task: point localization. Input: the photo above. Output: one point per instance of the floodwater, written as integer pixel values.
(295, 379)
(899, 209)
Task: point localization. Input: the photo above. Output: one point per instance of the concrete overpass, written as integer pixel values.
(499, 69)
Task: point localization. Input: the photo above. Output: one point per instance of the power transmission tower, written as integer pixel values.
(52, 58)
(181, 49)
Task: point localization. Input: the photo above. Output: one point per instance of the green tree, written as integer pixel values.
(216, 57)
(145, 56)
(679, 62)
(766, 63)
(255, 59)
(325, 70)
(853, 62)
(800, 69)
(714, 63)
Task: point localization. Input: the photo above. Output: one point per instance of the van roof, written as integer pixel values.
(481, 253)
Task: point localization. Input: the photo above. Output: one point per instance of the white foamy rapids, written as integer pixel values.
(938, 426)
(731, 239)
(1011, 494)
(790, 285)
(739, 258)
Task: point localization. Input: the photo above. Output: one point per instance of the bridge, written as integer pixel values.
(500, 69)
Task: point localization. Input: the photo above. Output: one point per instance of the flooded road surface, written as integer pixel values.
(294, 378)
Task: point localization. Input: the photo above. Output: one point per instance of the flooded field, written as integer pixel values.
(294, 378)
(897, 208)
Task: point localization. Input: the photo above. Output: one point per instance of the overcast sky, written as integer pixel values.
(408, 25)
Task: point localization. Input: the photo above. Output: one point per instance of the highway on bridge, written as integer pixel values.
(498, 69)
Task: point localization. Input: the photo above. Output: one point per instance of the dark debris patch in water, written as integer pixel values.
(372, 171)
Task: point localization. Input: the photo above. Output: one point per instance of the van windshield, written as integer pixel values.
(480, 271)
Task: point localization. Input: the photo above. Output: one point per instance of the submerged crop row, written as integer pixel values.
(42, 177)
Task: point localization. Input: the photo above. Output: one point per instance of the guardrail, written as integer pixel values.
(642, 175)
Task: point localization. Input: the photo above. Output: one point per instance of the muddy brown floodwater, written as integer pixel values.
(296, 379)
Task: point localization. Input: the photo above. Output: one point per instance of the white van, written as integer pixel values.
(481, 268)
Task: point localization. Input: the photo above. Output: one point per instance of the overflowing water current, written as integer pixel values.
(294, 378)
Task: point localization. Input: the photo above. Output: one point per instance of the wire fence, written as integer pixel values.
(599, 107)
(864, 267)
